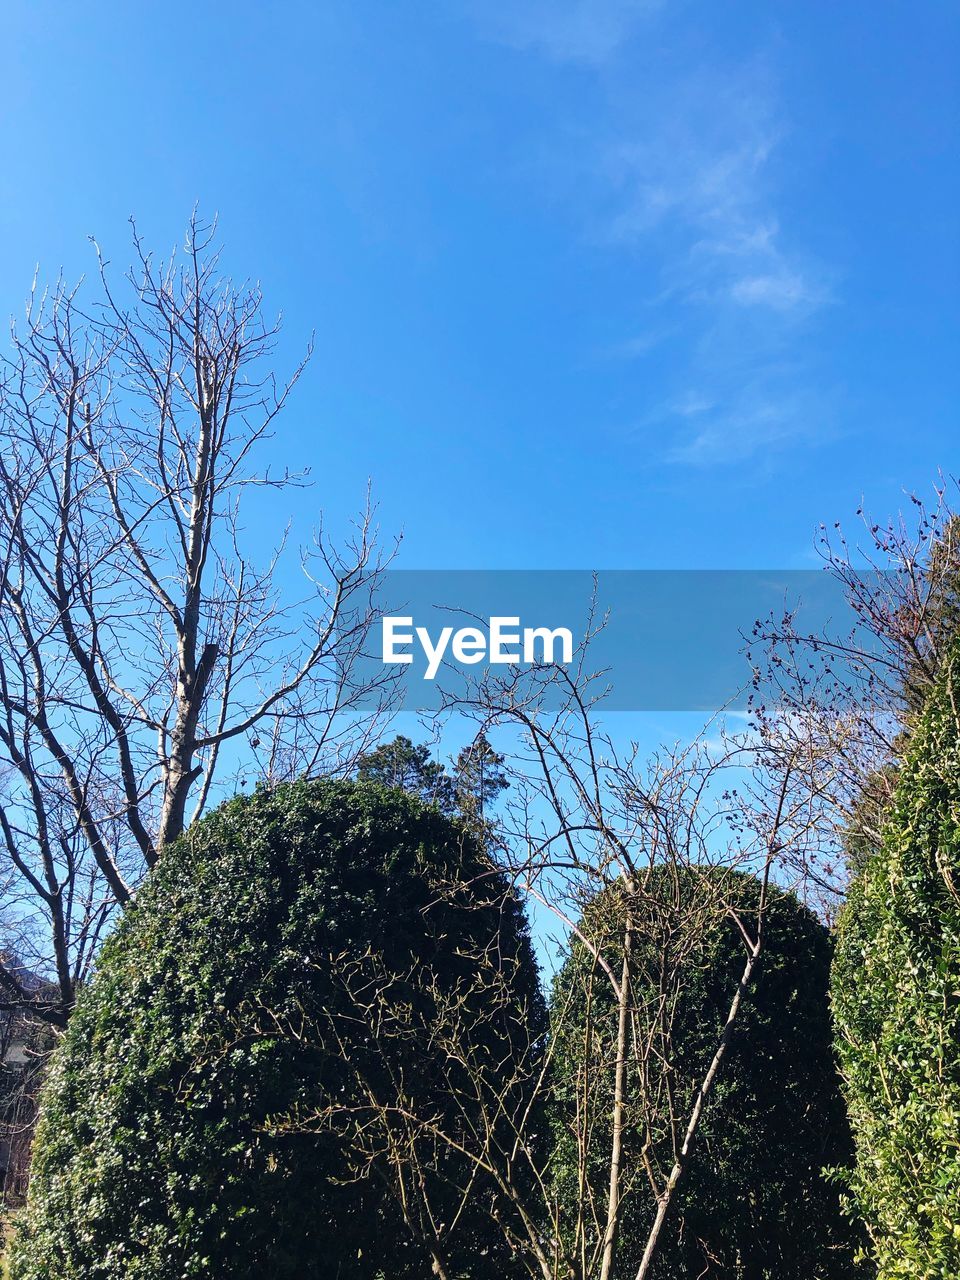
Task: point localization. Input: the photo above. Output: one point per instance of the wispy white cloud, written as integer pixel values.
(694, 182)
(692, 404)
(679, 166)
(755, 420)
(781, 289)
(694, 177)
(641, 343)
(587, 31)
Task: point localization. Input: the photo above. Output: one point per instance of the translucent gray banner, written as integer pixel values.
(670, 640)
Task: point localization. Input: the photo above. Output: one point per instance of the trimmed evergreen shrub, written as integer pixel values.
(896, 999)
(754, 1202)
(173, 1140)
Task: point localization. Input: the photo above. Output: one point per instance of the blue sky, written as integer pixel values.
(595, 284)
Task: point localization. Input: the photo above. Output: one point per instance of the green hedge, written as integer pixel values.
(896, 997)
(754, 1201)
(171, 1141)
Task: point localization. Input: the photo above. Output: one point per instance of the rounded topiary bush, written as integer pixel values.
(196, 1119)
(754, 1201)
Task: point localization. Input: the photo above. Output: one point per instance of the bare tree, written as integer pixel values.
(586, 825)
(147, 658)
(844, 699)
(591, 821)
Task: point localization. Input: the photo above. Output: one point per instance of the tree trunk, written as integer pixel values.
(619, 1096)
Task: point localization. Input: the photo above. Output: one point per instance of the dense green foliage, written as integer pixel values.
(175, 1139)
(467, 792)
(896, 994)
(753, 1203)
(409, 766)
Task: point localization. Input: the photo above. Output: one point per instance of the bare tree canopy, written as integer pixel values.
(144, 653)
(845, 702)
(672, 839)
